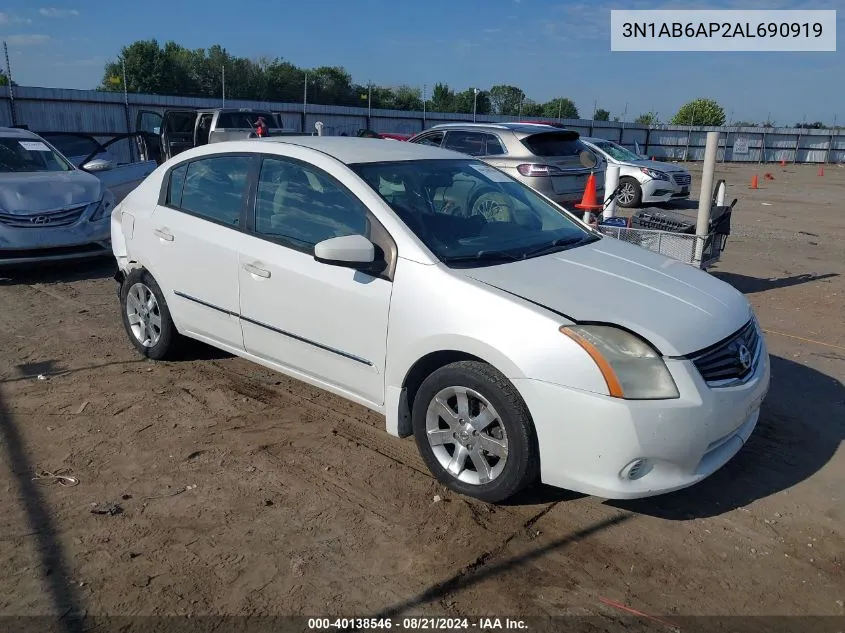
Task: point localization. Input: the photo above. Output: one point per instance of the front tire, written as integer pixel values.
(630, 194)
(146, 317)
(474, 432)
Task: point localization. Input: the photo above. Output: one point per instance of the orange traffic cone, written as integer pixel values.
(653, 158)
(589, 201)
(754, 181)
(821, 171)
(782, 163)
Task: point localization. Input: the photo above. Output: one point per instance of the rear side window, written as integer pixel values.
(470, 143)
(554, 144)
(214, 188)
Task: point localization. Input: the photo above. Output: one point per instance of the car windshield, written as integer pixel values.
(22, 155)
(616, 151)
(471, 214)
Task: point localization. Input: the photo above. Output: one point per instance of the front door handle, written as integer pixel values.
(161, 233)
(255, 270)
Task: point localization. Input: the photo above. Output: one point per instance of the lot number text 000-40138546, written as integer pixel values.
(723, 30)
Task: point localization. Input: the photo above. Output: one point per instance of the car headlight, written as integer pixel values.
(632, 369)
(104, 208)
(653, 173)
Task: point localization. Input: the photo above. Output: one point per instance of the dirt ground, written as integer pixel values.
(244, 492)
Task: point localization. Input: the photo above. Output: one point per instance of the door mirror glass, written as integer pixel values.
(349, 250)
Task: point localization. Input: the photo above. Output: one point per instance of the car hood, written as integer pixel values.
(656, 164)
(678, 308)
(43, 191)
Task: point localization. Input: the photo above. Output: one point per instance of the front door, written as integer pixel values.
(324, 322)
(149, 124)
(194, 237)
(177, 131)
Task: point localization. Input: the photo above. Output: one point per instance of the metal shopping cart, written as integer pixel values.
(672, 232)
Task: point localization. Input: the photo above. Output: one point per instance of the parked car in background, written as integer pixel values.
(99, 157)
(522, 347)
(174, 131)
(49, 209)
(554, 162)
(642, 181)
(384, 135)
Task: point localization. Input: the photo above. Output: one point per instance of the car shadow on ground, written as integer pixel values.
(802, 425)
(58, 272)
(750, 285)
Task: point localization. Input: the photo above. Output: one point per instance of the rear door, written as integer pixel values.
(177, 131)
(562, 149)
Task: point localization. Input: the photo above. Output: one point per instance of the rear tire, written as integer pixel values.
(474, 432)
(146, 317)
(630, 194)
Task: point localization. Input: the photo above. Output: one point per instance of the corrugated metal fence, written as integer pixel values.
(94, 112)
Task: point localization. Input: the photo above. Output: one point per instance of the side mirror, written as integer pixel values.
(349, 251)
(588, 159)
(98, 164)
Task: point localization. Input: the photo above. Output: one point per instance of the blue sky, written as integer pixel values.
(547, 47)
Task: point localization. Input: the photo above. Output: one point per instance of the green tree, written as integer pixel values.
(648, 118)
(601, 115)
(442, 98)
(700, 112)
(407, 98)
(4, 80)
(562, 107)
(531, 108)
(506, 100)
(464, 100)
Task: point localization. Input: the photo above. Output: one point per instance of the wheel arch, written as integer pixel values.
(400, 397)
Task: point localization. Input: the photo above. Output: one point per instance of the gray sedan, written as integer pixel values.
(49, 209)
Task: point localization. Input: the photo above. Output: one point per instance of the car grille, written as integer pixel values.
(721, 365)
(682, 180)
(47, 219)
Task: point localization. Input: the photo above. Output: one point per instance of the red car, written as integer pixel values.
(395, 137)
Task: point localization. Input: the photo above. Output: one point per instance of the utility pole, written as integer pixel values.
(559, 109)
(424, 100)
(474, 103)
(223, 70)
(11, 87)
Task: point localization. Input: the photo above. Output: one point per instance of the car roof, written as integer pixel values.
(351, 150)
(521, 128)
(16, 132)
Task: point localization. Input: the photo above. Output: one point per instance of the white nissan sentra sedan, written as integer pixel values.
(525, 348)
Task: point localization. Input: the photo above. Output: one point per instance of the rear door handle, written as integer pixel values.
(255, 270)
(161, 233)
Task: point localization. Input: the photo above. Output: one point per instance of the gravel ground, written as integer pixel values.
(228, 489)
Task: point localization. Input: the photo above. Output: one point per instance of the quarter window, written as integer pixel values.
(300, 205)
(213, 188)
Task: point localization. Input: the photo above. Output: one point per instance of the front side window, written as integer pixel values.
(469, 213)
(434, 139)
(213, 188)
(22, 155)
(299, 205)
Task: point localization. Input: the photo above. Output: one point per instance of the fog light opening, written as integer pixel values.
(636, 469)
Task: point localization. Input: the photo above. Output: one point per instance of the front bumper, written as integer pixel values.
(663, 191)
(82, 240)
(587, 440)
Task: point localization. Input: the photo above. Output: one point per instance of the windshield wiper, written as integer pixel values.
(486, 256)
(558, 245)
